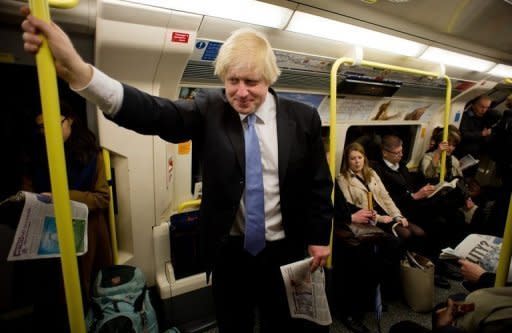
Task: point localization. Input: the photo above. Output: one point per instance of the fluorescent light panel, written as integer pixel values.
(501, 71)
(454, 59)
(248, 11)
(326, 28)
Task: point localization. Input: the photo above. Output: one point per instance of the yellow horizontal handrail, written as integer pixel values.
(63, 4)
(187, 204)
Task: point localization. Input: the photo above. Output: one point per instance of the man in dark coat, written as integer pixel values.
(412, 197)
(475, 128)
(294, 179)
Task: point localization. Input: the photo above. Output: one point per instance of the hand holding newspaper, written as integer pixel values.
(36, 234)
(481, 249)
(305, 292)
(442, 185)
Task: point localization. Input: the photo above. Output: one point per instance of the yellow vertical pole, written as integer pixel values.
(332, 136)
(446, 122)
(506, 251)
(57, 166)
(111, 216)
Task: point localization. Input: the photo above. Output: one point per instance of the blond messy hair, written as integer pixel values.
(249, 49)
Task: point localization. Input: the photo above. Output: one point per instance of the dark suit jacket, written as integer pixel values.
(400, 185)
(217, 134)
(471, 126)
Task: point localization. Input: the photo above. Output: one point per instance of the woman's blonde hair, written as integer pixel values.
(249, 49)
(345, 169)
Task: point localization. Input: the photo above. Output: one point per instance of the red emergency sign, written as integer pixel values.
(180, 37)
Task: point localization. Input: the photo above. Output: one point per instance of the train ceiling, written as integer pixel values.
(479, 27)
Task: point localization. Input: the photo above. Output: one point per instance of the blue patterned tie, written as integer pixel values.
(254, 202)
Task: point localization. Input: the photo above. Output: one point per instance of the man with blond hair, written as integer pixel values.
(266, 184)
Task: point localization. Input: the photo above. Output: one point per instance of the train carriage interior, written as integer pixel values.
(168, 49)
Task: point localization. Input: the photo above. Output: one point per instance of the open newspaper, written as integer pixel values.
(452, 184)
(306, 292)
(468, 161)
(481, 249)
(36, 234)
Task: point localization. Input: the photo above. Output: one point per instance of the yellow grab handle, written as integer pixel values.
(188, 204)
(446, 122)
(63, 4)
(58, 176)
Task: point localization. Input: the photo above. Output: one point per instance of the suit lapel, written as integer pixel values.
(235, 133)
(285, 130)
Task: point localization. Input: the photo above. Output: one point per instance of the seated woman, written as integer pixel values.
(87, 184)
(357, 179)
(456, 204)
(431, 162)
(358, 268)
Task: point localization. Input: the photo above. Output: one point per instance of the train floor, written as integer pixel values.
(396, 311)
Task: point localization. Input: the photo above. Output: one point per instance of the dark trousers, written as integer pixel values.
(358, 269)
(245, 286)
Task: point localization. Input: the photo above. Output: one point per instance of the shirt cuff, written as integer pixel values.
(103, 91)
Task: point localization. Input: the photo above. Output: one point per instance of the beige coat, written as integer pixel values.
(432, 171)
(357, 194)
(493, 311)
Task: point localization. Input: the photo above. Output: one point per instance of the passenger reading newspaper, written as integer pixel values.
(452, 184)
(481, 249)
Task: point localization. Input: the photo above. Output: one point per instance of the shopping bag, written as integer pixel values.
(417, 275)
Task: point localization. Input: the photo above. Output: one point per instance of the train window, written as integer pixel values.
(370, 137)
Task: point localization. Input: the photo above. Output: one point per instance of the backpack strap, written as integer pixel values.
(137, 305)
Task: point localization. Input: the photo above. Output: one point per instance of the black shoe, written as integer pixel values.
(441, 282)
(354, 325)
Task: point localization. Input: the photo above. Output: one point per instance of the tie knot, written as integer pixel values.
(251, 119)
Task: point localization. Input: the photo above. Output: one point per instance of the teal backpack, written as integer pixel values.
(121, 303)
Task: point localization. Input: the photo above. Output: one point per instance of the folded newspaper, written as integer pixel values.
(306, 292)
(481, 249)
(36, 234)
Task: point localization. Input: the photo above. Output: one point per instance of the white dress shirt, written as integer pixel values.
(392, 166)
